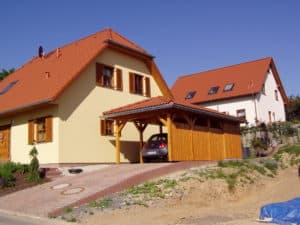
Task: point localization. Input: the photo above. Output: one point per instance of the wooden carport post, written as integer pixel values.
(119, 127)
(141, 127)
(168, 123)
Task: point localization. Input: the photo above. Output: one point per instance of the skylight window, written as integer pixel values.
(228, 87)
(190, 95)
(213, 90)
(4, 90)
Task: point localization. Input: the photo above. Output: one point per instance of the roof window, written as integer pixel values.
(228, 87)
(190, 95)
(11, 84)
(213, 90)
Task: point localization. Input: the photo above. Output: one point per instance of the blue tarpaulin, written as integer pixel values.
(285, 213)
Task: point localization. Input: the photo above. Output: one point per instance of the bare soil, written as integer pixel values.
(20, 184)
(208, 203)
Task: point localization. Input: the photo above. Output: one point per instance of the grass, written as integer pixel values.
(100, 204)
(153, 188)
(68, 210)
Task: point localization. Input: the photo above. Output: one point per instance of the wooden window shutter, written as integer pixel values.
(99, 69)
(48, 123)
(30, 132)
(102, 127)
(112, 124)
(131, 82)
(119, 80)
(148, 90)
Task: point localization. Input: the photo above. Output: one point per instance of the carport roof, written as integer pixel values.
(164, 103)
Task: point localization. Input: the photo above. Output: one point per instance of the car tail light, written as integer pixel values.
(145, 146)
(162, 145)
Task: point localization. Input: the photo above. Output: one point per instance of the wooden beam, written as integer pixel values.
(140, 126)
(163, 121)
(169, 128)
(118, 147)
(119, 127)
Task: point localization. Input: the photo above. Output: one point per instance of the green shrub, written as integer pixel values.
(34, 175)
(272, 166)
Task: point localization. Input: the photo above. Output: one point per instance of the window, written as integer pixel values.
(276, 95)
(213, 90)
(9, 86)
(274, 116)
(190, 95)
(241, 113)
(228, 87)
(270, 117)
(263, 89)
(139, 84)
(105, 77)
(107, 127)
(40, 130)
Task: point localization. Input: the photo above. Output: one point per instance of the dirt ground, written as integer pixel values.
(195, 209)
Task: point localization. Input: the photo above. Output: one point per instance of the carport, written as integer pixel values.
(194, 132)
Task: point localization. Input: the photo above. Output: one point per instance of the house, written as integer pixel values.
(251, 90)
(58, 101)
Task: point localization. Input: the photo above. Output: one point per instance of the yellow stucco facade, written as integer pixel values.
(76, 115)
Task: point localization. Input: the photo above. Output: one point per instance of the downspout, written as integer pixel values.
(255, 108)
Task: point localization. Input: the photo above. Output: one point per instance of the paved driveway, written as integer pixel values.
(50, 198)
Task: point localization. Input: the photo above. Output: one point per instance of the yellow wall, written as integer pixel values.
(81, 106)
(19, 148)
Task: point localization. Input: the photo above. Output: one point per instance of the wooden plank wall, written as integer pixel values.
(205, 144)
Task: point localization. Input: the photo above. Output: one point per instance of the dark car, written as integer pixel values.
(156, 147)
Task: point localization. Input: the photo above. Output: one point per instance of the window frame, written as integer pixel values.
(276, 95)
(230, 85)
(238, 111)
(116, 78)
(213, 90)
(190, 95)
(107, 127)
(143, 83)
(35, 129)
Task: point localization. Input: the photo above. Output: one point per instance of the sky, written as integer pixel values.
(185, 36)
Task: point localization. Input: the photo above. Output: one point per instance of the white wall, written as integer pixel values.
(232, 105)
(263, 102)
(266, 102)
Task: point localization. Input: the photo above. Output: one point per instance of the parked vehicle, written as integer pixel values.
(156, 147)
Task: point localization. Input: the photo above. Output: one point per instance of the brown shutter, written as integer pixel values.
(119, 80)
(148, 90)
(131, 83)
(112, 128)
(30, 132)
(102, 127)
(99, 69)
(48, 123)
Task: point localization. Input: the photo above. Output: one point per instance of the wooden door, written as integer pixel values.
(4, 143)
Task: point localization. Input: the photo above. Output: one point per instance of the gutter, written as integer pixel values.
(28, 106)
(169, 106)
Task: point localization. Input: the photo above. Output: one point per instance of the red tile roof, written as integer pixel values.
(161, 102)
(42, 80)
(248, 78)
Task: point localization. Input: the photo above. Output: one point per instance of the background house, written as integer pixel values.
(56, 100)
(251, 90)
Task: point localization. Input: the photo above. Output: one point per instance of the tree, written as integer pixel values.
(293, 108)
(4, 73)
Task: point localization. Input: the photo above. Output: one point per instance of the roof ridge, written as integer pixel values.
(224, 67)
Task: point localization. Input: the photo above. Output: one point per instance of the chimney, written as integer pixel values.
(41, 51)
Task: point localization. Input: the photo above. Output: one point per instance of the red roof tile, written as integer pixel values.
(43, 79)
(248, 78)
(161, 102)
